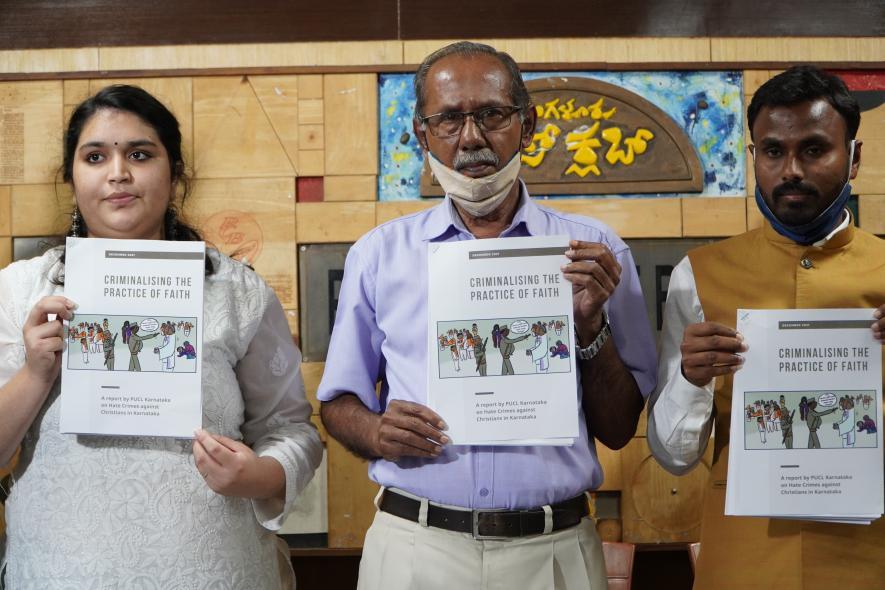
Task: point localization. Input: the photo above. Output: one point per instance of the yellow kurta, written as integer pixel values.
(763, 270)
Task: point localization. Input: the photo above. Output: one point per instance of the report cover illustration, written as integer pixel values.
(133, 343)
(503, 346)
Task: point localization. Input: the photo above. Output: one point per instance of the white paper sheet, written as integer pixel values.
(152, 385)
(833, 471)
(479, 290)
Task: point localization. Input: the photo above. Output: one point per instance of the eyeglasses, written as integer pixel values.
(450, 123)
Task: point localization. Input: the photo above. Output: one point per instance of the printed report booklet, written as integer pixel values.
(501, 366)
(132, 361)
(806, 414)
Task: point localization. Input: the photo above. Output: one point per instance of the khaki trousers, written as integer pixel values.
(399, 554)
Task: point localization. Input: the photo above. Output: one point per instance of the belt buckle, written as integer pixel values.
(476, 535)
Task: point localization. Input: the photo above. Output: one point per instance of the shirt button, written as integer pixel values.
(806, 263)
(483, 492)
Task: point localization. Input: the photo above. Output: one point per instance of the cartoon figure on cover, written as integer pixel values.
(167, 349)
(539, 350)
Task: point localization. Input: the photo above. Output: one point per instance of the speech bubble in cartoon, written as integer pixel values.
(827, 399)
(519, 327)
(149, 325)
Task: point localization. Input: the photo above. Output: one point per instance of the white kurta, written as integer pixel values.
(96, 512)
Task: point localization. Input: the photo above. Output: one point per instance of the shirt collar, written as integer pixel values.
(846, 219)
(444, 219)
(840, 236)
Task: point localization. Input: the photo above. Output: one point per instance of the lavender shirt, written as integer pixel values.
(381, 335)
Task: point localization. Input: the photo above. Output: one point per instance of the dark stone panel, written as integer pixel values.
(463, 19)
(30, 24)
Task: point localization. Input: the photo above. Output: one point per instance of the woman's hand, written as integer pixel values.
(231, 468)
(45, 339)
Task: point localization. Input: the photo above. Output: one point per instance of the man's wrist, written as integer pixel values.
(585, 353)
(588, 332)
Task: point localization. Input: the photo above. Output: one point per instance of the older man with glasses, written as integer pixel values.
(479, 517)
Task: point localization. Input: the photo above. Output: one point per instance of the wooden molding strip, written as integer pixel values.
(393, 56)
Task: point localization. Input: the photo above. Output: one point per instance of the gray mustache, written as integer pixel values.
(483, 156)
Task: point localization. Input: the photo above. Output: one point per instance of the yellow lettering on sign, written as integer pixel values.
(597, 113)
(583, 142)
(569, 112)
(549, 110)
(635, 145)
(542, 143)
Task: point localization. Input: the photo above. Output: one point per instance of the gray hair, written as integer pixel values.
(519, 94)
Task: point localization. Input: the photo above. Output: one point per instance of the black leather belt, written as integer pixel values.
(488, 524)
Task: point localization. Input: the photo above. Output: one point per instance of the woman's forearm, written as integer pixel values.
(20, 401)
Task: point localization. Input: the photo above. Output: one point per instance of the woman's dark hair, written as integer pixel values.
(139, 102)
(803, 84)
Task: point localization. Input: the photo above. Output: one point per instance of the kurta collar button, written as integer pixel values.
(806, 263)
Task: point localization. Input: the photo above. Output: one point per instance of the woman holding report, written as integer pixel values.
(93, 511)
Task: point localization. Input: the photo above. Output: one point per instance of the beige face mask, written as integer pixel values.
(477, 196)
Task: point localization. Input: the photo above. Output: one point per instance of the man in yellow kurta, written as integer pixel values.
(808, 254)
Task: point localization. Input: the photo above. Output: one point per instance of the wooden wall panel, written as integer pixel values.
(657, 506)
(254, 219)
(74, 92)
(712, 217)
(5, 211)
(753, 79)
(389, 210)
(872, 124)
(623, 50)
(311, 137)
(350, 188)
(638, 50)
(350, 497)
(754, 217)
(292, 320)
(30, 131)
(797, 49)
(748, 141)
(319, 223)
(233, 136)
(21, 61)
(630, 218)
(278, 96)
(313, 373)
(871, 209)
(611, 468)
(5, 251)
(351, 123)
(310, 86)
(311, 163)
(265, 55)
(531, 50)
(40, 209)
(310, 111)
(871, 175)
